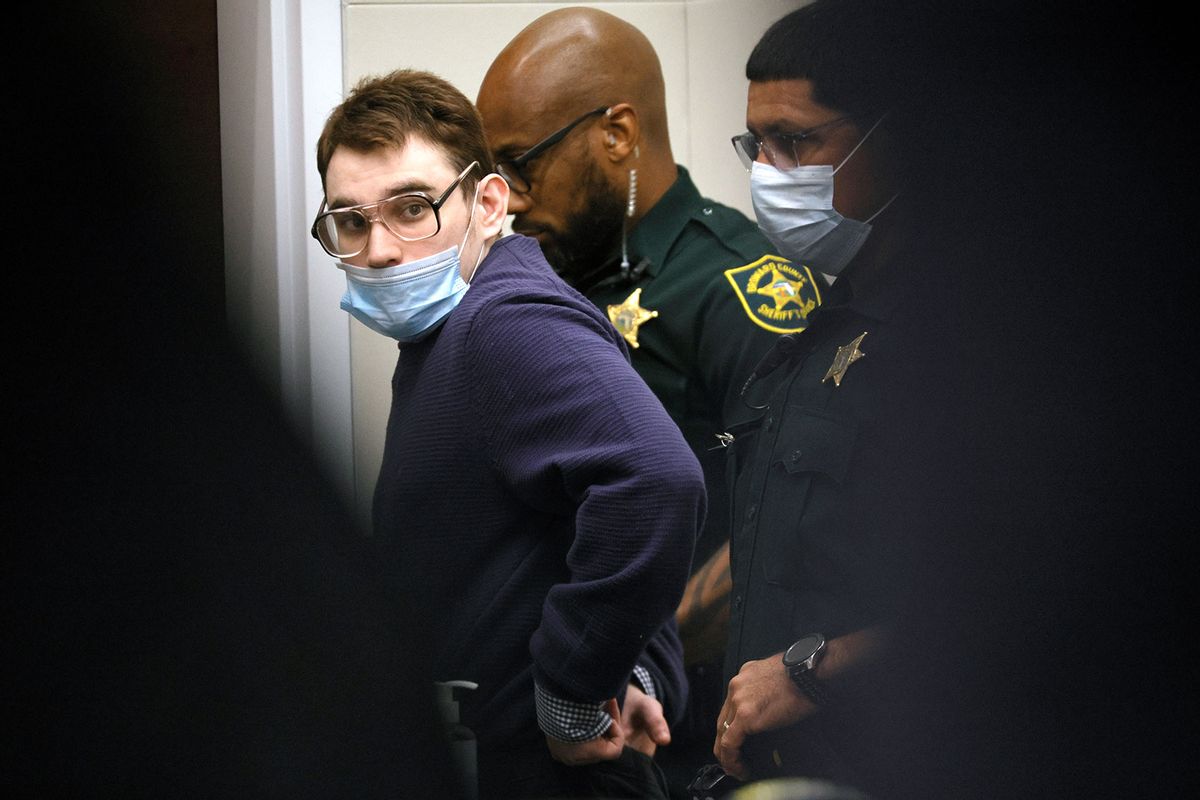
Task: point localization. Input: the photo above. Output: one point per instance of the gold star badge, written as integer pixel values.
(847, 354)
(629, 316)
(781, 290)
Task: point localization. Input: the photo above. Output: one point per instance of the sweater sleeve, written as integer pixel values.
(574, 431)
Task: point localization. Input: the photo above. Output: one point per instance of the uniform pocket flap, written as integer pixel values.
(810, 442)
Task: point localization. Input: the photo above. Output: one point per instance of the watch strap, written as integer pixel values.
(806, 682)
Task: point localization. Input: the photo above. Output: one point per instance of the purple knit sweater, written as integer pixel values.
(545, 502)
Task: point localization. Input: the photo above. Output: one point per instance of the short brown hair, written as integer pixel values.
(382, 111)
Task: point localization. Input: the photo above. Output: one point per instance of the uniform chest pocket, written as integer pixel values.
(809, 464)
(813, 443)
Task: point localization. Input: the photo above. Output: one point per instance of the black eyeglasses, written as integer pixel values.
(344, 232)
(780, 148)
(510, 169)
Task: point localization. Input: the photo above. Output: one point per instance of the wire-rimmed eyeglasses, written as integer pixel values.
(510, 169)
(781, 149)
(412, 216)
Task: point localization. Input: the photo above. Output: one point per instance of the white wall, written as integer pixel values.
(285, 63)
(280, 72)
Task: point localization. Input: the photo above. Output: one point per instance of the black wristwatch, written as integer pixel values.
(800, 660)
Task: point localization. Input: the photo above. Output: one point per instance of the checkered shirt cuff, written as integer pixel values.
(567, 720)
(645, 682)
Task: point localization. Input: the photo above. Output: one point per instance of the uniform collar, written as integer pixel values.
(654, 235)
(651, 240)
(878, 298)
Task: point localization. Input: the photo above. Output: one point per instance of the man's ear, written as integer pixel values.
(493, 204)
(621, 132)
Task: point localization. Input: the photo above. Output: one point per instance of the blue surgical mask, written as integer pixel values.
(795, 211)
(408, 301)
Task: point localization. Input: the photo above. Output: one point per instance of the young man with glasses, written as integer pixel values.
(545, 502)
(574, 109)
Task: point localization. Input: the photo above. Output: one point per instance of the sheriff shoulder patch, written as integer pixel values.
(776, 294)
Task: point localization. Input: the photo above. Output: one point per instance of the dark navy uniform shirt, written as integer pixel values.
(827, 489)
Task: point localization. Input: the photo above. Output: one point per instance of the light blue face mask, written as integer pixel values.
(795, 211)
(408, 301)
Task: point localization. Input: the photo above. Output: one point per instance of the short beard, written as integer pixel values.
(590, 238)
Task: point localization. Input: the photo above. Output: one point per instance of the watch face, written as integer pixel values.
(804, 649)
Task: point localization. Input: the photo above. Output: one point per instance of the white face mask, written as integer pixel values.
(795, 211)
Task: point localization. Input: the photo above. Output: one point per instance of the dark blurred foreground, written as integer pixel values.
(190, 611)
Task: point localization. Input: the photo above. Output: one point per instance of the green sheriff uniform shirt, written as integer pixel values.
(705, 297)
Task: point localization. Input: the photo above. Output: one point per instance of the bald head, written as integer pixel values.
(573, 169)
(574, 59)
